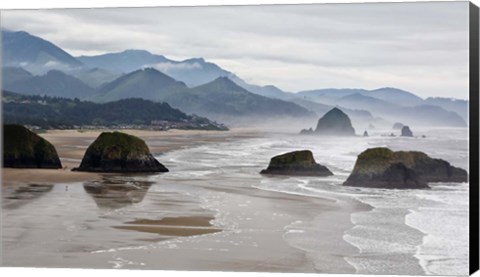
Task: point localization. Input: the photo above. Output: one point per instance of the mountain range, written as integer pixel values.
(32, 65)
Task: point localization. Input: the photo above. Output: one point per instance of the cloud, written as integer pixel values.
(418, 46)
(169, 67)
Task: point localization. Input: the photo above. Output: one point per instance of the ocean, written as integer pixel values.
(419, 232)
(404, 232)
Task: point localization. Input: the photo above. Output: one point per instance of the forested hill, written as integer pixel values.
(54, 112)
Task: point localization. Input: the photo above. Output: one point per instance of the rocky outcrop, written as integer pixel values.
(297, 163)
(365, 134)
(335, 122)
(384, 168)
(307, 131)
(23, 148)
(119, 152)
(406, 132)
(397, 126)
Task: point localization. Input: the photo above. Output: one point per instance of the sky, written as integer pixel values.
(419, 47)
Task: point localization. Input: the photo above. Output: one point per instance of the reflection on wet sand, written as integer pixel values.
(173, 226)
(114, 192)
(24, 194)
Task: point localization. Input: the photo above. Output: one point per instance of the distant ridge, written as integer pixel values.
(147, 83)
(53, 83)
(33, 53)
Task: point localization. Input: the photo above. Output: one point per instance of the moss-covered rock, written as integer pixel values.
(23, 148)
(297, 163)
(383, 168)
(119, 152)
(335, 122)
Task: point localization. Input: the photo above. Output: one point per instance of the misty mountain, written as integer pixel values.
(361, 119)
(193, 72)
(122, 62)
(267, 91)
(219, 98)
(95, 77)
(359, 101)
(427, 115)
(391, 95)
(414, 115)
(390, 104)
(321, 109)
(328, 96)
(146, 83)
(20, 49)
(449, 104)
(223, 97)
(14, 74)
(53, 83)
(395, 96)
(100, 78)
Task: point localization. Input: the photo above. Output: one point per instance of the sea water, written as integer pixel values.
(403, 231)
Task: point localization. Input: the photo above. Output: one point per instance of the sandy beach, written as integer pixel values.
(159, 222)
(72, 144)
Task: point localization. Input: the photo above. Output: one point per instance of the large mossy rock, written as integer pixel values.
(335, 122)
(23, 148)
(119, 152)
(297, 163)
(384, 168)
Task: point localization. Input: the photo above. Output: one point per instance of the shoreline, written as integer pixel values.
(254, 226)
(72, 144)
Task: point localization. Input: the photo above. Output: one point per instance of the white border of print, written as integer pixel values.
(47, 4)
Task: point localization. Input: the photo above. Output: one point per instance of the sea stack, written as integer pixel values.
(23, 148)
(406, 132)
(383, 168)
(296, 163)
(365, 134)
(335, 122)
(119, 152)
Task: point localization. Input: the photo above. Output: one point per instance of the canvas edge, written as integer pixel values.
(474, 137)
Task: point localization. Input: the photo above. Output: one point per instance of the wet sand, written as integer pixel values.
(155, 222)
(72, 144)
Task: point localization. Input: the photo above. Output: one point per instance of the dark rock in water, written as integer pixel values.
(365, 134)
(119, 152)
(307, 131)
(424, 136)
(392, 134)
(384, 168)
(297, 163)
(23, 148)
(397, 126)
(335, 122)
(406, 132)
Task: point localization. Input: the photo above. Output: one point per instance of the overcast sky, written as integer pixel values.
(420, 47)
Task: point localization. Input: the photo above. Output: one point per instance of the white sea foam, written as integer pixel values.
(406, 232)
